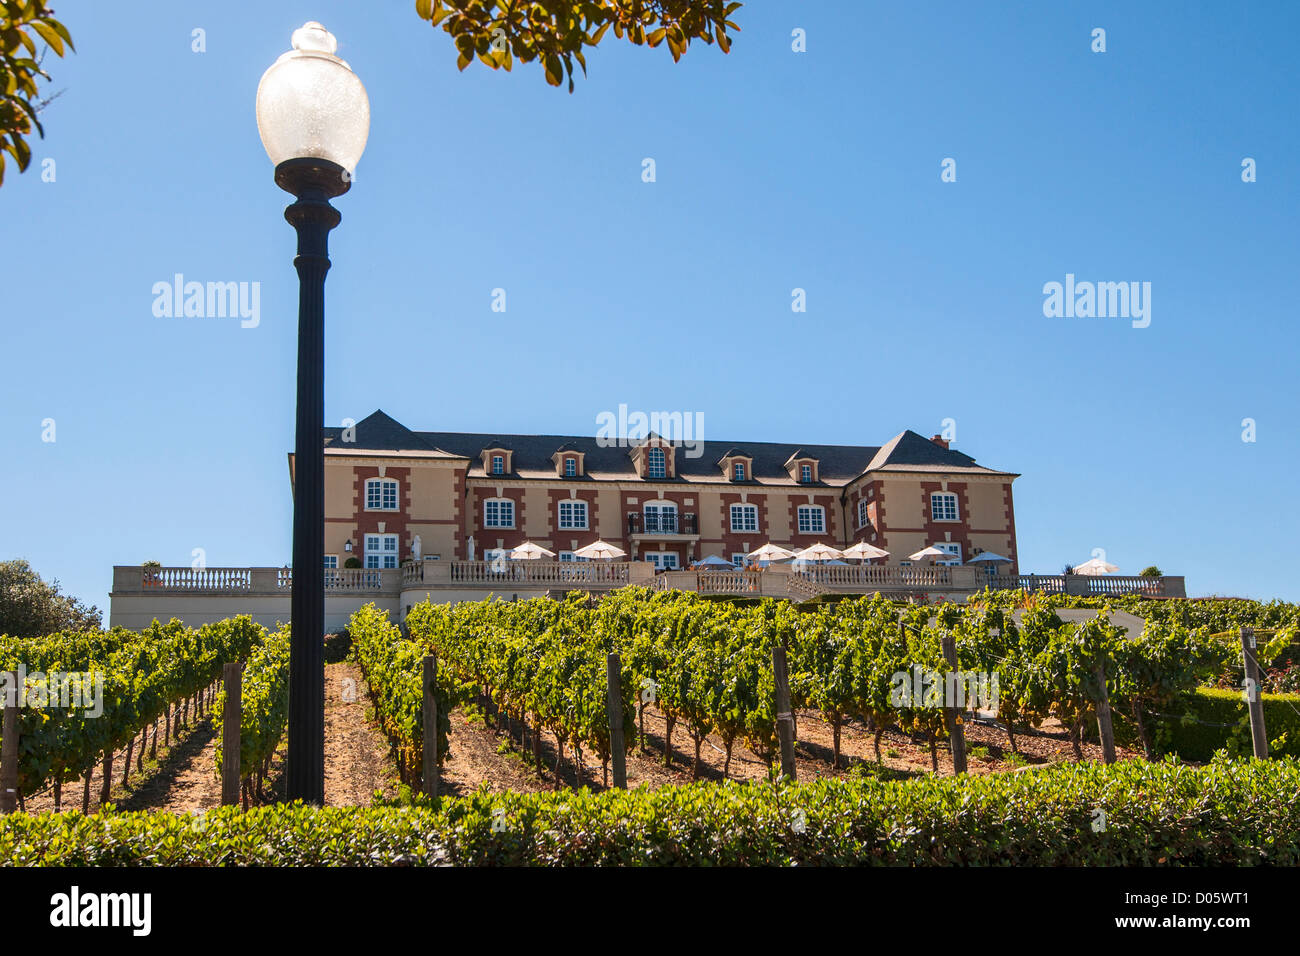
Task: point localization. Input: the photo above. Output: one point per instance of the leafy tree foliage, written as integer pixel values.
(554, 33)
(31, 607)
(24, 23)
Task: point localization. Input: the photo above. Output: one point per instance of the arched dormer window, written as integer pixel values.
(656, 463)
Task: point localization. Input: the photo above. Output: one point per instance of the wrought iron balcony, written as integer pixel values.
(662, 523)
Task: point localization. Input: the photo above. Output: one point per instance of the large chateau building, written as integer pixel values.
(393, 494)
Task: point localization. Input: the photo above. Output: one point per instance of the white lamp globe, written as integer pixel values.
(310, 105)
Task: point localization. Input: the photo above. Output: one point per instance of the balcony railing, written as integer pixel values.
(669, 523)
(576, 574)
(851, 577)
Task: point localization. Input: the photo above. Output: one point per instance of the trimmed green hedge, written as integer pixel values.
(1227, 813)
(1217, 719)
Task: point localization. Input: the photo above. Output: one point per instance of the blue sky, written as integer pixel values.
(775, 170)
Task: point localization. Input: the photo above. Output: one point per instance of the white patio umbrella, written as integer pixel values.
(1095, 566)
(600, 551)
(530, 552)
(713, 561)
(818, 552)
(769, 553)
(931, 553)
(865, 552)
(988, 556)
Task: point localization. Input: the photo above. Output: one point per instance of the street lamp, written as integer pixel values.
(313, 116)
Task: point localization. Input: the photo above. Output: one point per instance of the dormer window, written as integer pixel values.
(737, 466)
(568, 462)
(496, 460)
(656, 463)
(802, 469)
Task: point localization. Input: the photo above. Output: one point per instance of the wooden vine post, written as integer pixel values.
(231, 716)
(784, 716)
(1254, 702)
(1105, 728)
(9, 747)
(952, 713)
(614, 704)
(430, 715)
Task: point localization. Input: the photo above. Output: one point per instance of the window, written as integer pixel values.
(738, 471)
(805, 473)
(943, 506)
(498, 465)
(740, 559)
(952, 548)
(864, 517)
(331, 560)
(573, 515)
(662, 560)
(381, 551)
(656, 464)
(498, 513)
(744, 517)
(661, 519)
(570, 556)
(812, 519)
(570, 468)
(381, 494)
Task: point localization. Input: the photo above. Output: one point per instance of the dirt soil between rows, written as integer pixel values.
(487, 751)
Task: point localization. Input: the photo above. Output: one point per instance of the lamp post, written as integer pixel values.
(313, 116)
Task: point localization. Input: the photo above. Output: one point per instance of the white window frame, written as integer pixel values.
(810, 509)
(572, 504)
(953, 548)
(664, 560)
(498, 502)
(949, 498)
(744, 509)
(384, 485)
(652, 455)
(661, 509)
(378, 551)
(864, 512)
(331, 562)
(498, 464)
(805, 473)
(570, 468)
(569, 556)
(738, 471)
(740, 560)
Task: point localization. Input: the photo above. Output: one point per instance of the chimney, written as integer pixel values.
(940, 441)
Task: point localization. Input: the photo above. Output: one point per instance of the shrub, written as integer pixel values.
(1227, 813)
(1211, 719)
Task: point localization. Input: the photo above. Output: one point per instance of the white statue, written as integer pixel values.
(417, 548)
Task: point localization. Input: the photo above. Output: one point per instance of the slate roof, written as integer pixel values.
(532, 454)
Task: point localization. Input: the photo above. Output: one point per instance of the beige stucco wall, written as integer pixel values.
(138, 611)
(903, 503)
(987, 508)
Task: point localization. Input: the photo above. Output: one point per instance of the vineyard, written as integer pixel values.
(526, 685)
(143, 684)
(706, 665)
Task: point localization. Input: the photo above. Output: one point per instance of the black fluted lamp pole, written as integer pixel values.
(314, 117)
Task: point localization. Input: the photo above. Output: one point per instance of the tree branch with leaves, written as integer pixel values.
(24, 24)
(555, 32)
